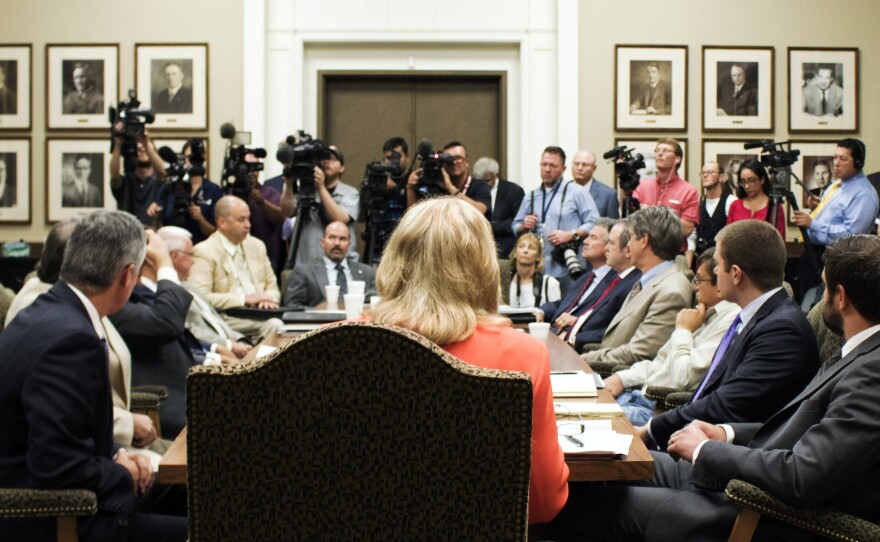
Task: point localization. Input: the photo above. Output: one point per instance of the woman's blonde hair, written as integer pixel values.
(439, 272)
(531, 238)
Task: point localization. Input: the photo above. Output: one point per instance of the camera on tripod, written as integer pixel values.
(178, 176)
(134, 121)
(778, 161)
(627, 166)
(433, 163)
(236, 165)
(300, 156)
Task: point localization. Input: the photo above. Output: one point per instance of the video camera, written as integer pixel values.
(300, 156)
(179, 174)
(778, 160)
(133, 121)
(235, 164)
(432, 162)
(627, 166)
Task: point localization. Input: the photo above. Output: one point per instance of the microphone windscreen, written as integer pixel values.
(756, 144)
(259, 153)
(227, 130)
(168, 155)
(425, 148)
(285, 154)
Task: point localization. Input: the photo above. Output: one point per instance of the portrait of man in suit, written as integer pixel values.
(7, 179)
(82, 88)
(653, 96)
(737, 89)
(8, 102)
(81, 184)
(823, 95)
(175, 96)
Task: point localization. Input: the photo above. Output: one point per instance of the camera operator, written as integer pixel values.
(335, 201)
(456, 181)
(144, 182)
(267, 217)
(395, 151)
(198, 219)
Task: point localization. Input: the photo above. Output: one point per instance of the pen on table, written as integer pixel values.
(564, 372)
(575, 441)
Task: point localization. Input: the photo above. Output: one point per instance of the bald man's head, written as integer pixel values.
(583, 166)
(233, 218)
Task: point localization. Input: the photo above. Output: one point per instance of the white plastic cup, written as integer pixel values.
(331, 291)
(374, 301)
(354, 305)
(539, 330)
(356, 287)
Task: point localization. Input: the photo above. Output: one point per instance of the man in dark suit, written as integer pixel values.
(654, 99)
(307, 284)
(737, 97)
(582, 316)
(583, 165)
(55, 398)
(153, 325)
(176, 98)
(7, 185)
(821, 448)
(767, 355)
(506, 199)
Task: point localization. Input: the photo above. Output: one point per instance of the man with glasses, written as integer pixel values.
(683, 361)
(457, 182)
(668, 189)
(714, 206)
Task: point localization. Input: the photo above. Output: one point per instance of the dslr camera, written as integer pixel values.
(566, 254)
(433, 163)
(236, 166)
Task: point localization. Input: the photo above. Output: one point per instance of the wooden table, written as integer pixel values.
(637, 465)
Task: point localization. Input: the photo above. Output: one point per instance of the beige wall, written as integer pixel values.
(695, 23)
(38, 22)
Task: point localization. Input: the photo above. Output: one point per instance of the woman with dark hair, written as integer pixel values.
(753, 192)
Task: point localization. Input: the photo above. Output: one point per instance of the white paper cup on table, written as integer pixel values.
(331, 291)
(539, 330)
(356, 287)
(354, 305)
(374, 301)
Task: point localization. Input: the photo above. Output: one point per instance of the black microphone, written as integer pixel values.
(425, 148)
(757, 144)
(259, 153)
(227, 130)
(285, 154)
(168, 155)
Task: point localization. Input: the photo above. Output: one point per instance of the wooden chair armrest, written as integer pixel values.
(41, 503)
(824, 521)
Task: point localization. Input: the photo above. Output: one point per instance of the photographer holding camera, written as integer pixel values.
(455, 180)
(187, 200)
(136, 190)
(560, 213)
(334, 201)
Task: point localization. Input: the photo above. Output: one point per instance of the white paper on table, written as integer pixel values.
(596, 441)
(264, 350)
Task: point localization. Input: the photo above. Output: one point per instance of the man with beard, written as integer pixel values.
(819, 449)
(307, 285)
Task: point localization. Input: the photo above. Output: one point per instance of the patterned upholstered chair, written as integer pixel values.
(358, 431)
(826, 522)
(65, 504)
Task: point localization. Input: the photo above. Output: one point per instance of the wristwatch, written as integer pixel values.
(575, 236)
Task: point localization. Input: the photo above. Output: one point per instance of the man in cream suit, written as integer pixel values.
(647, 317)
(307, 284)
(202, 320)
(819, 449)
(232, 270)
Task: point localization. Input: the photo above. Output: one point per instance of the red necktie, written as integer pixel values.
(607, 291)
(581, 292)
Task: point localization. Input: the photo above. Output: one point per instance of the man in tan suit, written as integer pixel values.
(202, 320)
(647, 317)
(232, 270)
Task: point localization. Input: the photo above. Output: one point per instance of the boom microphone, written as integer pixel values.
(168, 155)
(757, 144)
(227, 130)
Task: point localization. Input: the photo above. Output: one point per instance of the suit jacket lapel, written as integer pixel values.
(639, 299)
(596, 293)
(321, 277)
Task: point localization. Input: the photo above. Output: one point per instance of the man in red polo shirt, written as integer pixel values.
(668, 189)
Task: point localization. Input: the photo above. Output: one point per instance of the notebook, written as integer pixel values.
(573, 384)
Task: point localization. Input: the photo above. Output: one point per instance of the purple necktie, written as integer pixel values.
(719, 354)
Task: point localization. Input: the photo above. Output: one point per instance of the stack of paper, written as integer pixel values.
(594, 440)
(589, 410)
(573, 384)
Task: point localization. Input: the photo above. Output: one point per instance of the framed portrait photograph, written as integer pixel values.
(15, 180)
(77, 177)
(729, 154)
(737, 89)
(15, 87)
(176, 145)
(82, 83)
(650, 88)
(646, 147)
(814, 170)
(172, 80)
(823, 90)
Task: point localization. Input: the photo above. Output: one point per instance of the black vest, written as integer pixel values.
(710, 225)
